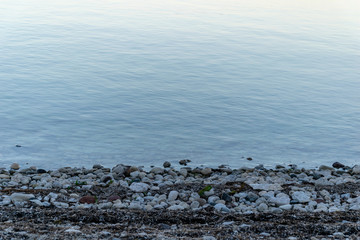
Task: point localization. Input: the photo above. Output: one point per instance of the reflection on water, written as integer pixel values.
(142, 82)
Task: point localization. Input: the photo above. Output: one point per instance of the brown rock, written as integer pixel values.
(113, 198)
(87, 199)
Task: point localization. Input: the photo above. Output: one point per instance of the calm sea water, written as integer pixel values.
(141, 82)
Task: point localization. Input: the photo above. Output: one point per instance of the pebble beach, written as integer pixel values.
(180, 202)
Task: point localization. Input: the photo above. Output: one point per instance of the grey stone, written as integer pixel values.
(251, 197)
(173, 195)
(139, 187)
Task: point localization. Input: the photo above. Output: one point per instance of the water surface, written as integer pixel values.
(141, 82)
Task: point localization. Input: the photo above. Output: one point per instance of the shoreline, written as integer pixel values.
(127, 202)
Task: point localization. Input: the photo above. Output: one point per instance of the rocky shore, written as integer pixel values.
(128, 202)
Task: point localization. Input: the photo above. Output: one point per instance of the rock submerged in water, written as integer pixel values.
(184, 162)
(167, 164)
(15, 166)
(338, 165)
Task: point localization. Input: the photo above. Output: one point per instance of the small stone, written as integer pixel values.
(61, 205)
(333, 209)
(325, 168)
(317, 176)
(281, 199)
(163, 226)
(262, 207)
(72, 231)
(221, 208)
(249, 159)
(208, 238)
(294, 201)
(119, 171)
(194, 204)
(97, 166)
(338, 234)
(286, 207)
(113, 198)
(106, 178)
(4, 176)
(15, 166)
(176, 208)
(139, 187)
(226, 197)
(206, 171)
(184, 162)
(135, 205)
(356, 169)
(157, 170)
(183, 172)
(21, 197)
(301, 196)
(266, 186)
(338, 165)
(41, 171)
(173, 196)
(167, 164)
(201, 201)
(251, 197)
(87, 199)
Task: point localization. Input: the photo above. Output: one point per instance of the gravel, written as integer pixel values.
(127, 202)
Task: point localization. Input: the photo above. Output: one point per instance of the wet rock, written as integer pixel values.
(41, 171)
(184, 162)
(249, 159)
(15, 166)
(338, 165)
(167, 164)
(325, 168)
(97, 166)
(87, 199)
